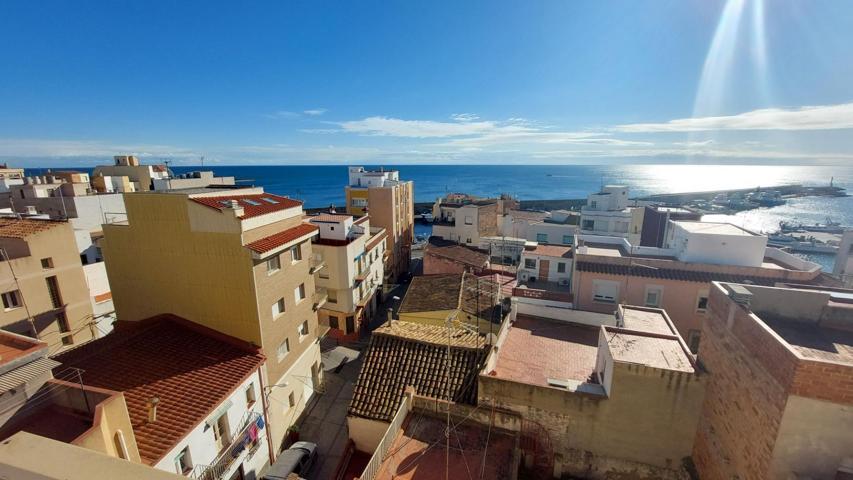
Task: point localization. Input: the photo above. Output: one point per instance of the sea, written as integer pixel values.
(322, 186)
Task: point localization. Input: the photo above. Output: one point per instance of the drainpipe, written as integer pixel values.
(265, 407)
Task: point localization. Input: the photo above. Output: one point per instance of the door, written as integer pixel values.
(544, 265)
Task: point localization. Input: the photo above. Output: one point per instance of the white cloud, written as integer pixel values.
(465, 117)
(826, 117)
(282, 114)
(17, 147)
(315, 112)
(395, 127)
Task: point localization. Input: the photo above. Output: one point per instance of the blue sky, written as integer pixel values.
(704, 81)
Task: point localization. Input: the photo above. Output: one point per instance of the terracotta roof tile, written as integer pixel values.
(406, 354)
(559, 251)
(24, 227)
(278, 239)
(329, 218)
(191, 369)
(429, 293)
(458, 254)
(253, 205)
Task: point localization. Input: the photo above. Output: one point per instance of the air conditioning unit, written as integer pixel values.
(31, 210)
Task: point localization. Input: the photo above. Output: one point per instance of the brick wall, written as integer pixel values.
(745, 396)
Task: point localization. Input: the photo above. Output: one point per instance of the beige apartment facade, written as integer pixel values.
(390, 203)
(234, 260)
(43, 285)
(349, 257)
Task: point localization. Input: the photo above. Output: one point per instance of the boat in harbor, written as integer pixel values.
(767, 198)
(801, 243)
(828, 227)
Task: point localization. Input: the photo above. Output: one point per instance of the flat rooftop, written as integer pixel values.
(646, 320)
(650, 350)
(810, 341)
(419, 451)
(537, 349)
(714, 228)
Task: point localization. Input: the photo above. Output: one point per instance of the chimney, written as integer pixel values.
(332, 208)
(390, 315)
(152, 409)
(233, 204)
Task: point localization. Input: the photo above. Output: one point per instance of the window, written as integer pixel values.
(12, 300)
(296, 253)
(702, 303)
(542, 237)
(350, 324)
(53, 290)
(593, 204)
(333, 321)
(270, 200)
(653, 296)
(220, 431)
(468, 240)
(561, 267)
(273, 264)
(303, 330)
(250, 394)
(359, 202)
(469, 220)
(183, 462)
(568, 239)
(693, 337)
(299, 292)
(121, 446)
(604, 291)
(252, 202)
(323, 274)
(291, 400)
(277, 308)
(529, 263)
(588, 225)
(84, 259)
(283, 349)
(47, 263)
(64, 328)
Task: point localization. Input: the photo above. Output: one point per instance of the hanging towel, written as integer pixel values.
(253, 432)
(260, 423)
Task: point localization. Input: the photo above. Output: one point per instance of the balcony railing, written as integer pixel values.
(321, 296)
(316, 264)
(219, 468)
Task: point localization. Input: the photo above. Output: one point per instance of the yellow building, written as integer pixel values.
(235, 260)
(390, 202)
(351, 253)
(42, 283)
(468, 299)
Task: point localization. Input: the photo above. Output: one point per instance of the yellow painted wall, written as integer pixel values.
(156, 264)
(112, 417)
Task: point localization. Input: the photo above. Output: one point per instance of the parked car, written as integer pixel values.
(299, 458)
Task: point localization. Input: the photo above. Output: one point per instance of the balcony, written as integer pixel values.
(227, 457)
(316, 264)
(321, 296)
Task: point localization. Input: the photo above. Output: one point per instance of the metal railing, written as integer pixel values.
(225, 459)
(378, 457)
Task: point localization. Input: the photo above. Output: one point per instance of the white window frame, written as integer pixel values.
(658, 291)
(296, 253)
(278, 308)
(251, 395)
(8, 297)
(299, 292)
(529, 267)
(469, 220)
(542, 238)
(273, 264)
(184, 461)
(303, 330)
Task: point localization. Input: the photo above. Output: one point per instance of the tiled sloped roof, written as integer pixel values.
(672, 274)
(253, 205)
(409, 354)
(24, 227)
(278, 239)
(329, 217)
(459, 254)
(559, 251)
(190, 368)
(428, 293)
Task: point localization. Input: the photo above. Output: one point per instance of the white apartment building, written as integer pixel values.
(607, 213)
(349, 267)
(717, 243)
(556, 228)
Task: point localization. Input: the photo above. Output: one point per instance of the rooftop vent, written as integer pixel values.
(152, 409)
(739, 294)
